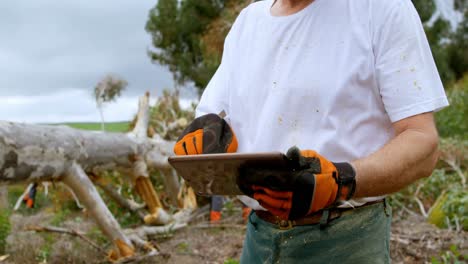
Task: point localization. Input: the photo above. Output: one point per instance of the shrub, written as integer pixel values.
(445, 192)
(453, 121)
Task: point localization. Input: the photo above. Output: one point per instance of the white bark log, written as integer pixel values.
(141, 126)
(78, 181)
(101, 113)
(181, 220)
(35, 153)
(43, 153)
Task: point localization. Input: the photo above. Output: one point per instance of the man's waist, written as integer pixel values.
(353, 203)
(321, 217)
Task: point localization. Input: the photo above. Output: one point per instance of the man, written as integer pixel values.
(348, 81)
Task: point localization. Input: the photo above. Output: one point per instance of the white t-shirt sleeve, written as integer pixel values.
(406, 73)
(215, 97)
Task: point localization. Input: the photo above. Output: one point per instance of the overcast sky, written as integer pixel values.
(52, 53)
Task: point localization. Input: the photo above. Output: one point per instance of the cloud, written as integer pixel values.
(52, 54)
(48, 46)
(72, 105)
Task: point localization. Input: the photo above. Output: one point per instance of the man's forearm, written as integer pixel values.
(408, 157)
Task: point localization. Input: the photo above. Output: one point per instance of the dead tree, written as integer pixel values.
(35, 153)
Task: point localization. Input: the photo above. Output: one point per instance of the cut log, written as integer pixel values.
(77, 180)
(43, 153)
(36, 153)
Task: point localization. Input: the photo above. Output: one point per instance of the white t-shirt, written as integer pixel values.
(331, 77)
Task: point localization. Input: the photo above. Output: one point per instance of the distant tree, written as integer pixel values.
(188, 37)
(185, 40)
(425, 8)
(458, 48)
(450, 49)
(108, 90)
(439, 35)
(164, 30)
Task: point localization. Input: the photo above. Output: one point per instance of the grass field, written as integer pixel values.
(110, 127)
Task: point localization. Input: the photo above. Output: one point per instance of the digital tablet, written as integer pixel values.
(216, 174)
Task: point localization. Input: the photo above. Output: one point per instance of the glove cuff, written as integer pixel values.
(346, 180)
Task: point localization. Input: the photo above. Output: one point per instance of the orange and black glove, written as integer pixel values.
(207, 134)
(308, 184)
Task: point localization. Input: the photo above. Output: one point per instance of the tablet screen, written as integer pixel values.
(216, 174)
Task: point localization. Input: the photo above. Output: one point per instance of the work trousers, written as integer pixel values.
(360, 237)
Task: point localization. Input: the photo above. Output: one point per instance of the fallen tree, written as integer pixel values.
(37, 153)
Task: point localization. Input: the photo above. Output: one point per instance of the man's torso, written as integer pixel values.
(307, 80)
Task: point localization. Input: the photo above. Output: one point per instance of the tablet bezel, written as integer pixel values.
(216, 174)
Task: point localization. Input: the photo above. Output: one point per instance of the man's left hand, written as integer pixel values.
(309, 184)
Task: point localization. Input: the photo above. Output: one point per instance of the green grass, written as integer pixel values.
(110, 127)
(4, 229)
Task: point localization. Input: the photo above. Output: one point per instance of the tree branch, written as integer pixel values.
(120, 200)
(141, 127)
(421, 206)
(77, 201)
(79, 182)
(457, 169)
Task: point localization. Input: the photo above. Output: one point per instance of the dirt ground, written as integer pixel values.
(413, 241)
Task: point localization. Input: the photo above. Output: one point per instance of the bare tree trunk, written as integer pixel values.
(172, 185)
(103, 128)
(77, 180)
(99, 104)
(43, 153)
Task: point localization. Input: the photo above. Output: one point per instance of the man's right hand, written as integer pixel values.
(308, 184)
(206, 135)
